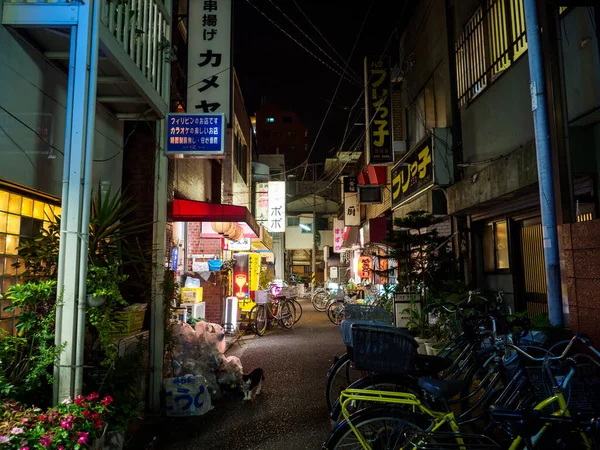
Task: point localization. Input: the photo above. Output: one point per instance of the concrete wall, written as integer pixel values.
(505, 175)
(581, 62)
(499, 120)
(35, 91)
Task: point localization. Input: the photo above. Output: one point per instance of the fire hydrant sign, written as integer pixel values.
(187, 396)
(198, 135)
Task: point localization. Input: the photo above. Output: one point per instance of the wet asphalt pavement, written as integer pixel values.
(290, 413)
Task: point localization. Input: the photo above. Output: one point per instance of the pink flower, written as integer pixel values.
(4, 439)
(66, 424)
(79, 400)
(16, 430)
(46, 441)
(107, 400)
(24, 448)
(67, 400)
(93, 396)
(83, 436)
(61, 447)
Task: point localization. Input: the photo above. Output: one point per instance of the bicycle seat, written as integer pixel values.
(428, 366)
(445, 389)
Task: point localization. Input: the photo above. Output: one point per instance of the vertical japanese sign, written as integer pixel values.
(276, 198)
(261, 204)
(254, 270)
(209, 57)
(378, 110)
(338, 235)
(351, 207)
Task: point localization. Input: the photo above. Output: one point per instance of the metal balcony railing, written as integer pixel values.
(141, 27)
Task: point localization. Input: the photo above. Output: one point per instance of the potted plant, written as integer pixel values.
(418, 325)
(102, 284)
(73, 424)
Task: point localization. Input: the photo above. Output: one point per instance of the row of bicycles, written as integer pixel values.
(277, 305)
(335, 299)
(499, 383)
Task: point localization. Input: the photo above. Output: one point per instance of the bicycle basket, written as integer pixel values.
(582, 393)
(449, 441)
(262, 297)
(353, 311)
(382, 349)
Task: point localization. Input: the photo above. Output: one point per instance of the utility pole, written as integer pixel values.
(544, 163)
(314, 230)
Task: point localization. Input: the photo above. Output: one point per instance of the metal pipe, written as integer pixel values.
(64, 203)
(314, 230)
(87, 194)
(544, 163)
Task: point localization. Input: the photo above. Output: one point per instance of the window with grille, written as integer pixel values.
(293, 221)
(493, 39)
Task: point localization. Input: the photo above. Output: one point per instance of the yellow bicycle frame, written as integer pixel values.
(439, 418)
(395, 398)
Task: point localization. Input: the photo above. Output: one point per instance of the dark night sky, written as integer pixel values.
(269, 64)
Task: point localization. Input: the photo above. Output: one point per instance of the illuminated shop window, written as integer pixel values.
(21, 218)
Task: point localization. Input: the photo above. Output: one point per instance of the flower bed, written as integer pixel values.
(74, 424)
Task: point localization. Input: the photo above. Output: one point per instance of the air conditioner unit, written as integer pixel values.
(195, 310)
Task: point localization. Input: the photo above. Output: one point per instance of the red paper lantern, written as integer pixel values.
(365, 266)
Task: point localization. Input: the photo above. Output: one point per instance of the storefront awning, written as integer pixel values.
(192, 211)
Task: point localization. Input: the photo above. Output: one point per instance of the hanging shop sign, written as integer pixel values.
(351, 206)
(338, 235)
(261, 203)
(209, 77)
(174, 258)
(365, 266)
(242, 244)
(197, 135)
(429, 165)
(378, 110)
(276, 198)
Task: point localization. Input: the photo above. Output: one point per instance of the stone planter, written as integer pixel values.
(95, 301)
(114, 440)
(422, 345)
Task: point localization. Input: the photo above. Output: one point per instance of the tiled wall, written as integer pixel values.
(582, 270)
(212, 288)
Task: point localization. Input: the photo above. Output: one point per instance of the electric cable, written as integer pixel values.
(296, 41)
(352, 75)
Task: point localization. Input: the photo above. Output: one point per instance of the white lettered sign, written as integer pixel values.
(276, 206)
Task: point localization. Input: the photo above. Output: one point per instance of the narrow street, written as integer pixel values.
(289, 413)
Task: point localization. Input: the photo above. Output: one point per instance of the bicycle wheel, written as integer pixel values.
(297, 310)
(339, 377)
(259, 312)
(383, 428)
(335, 312)
(320, 300)
(285, 315)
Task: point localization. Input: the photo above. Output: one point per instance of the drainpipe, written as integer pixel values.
(84, 226)
(544, 163)
(64, 203)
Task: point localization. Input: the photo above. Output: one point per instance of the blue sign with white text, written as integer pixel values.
(196, 134)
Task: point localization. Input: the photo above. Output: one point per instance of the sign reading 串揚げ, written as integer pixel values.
(196, 135)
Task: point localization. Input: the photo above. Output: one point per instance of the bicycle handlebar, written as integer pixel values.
(582, 337)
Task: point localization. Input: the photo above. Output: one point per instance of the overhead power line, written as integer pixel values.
(351, 74)
(300, 44)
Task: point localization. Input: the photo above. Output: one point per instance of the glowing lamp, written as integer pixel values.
(237, 234)
(365, 266)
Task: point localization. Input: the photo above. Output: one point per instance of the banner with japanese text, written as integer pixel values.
(378, 110)
(276, 198)
(209, 57)
(338, 235)
(261, 204)
(351, 205)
